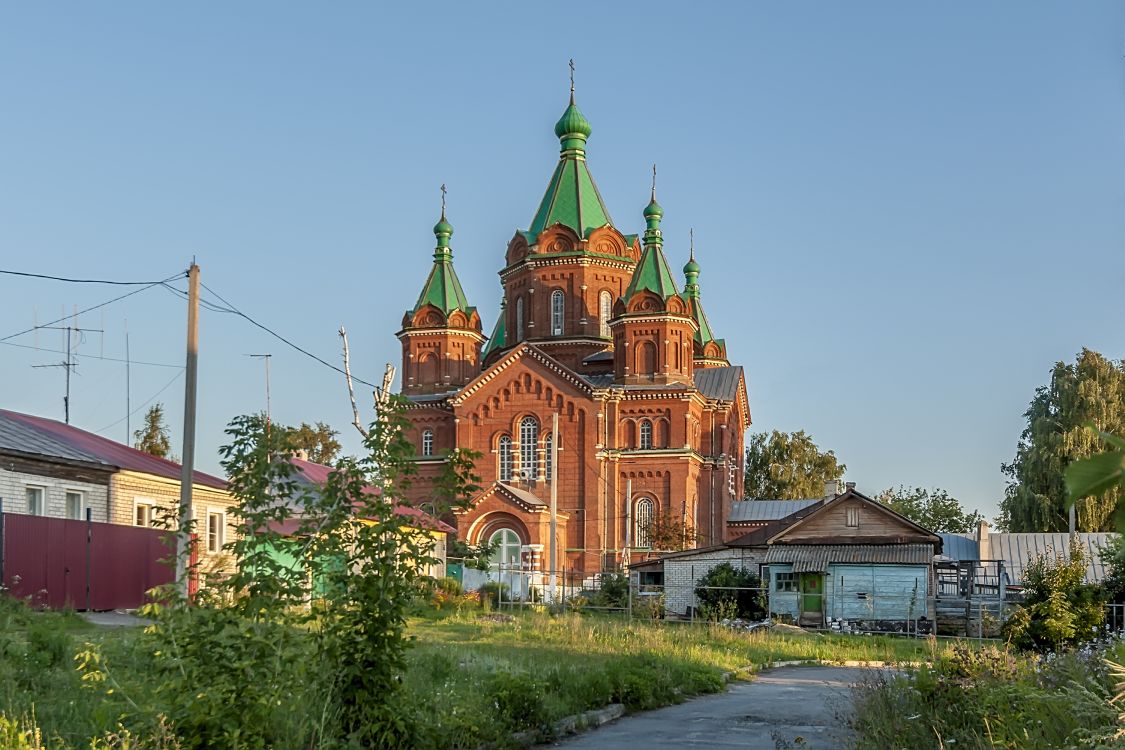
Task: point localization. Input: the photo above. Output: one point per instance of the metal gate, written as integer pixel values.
(58, 563)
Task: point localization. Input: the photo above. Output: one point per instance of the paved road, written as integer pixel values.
(770, 712)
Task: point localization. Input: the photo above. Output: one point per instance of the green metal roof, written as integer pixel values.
(499, 338)
(652, 272)
(691, 292)
(442, 288)
(572, 198)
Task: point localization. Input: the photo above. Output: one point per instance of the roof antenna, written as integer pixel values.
(572, 80)
(443, 200)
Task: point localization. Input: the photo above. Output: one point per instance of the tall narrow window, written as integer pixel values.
(427, 442)
(505, 450)
(529, 441)
(216, 531)
(548, 466)
(558, 308)
(646, 435)
(519, 319)
(605, 310)
(643, 523)
(35, 504)
(74, 505)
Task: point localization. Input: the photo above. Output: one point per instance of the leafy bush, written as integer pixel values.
(517, 699)
(1059, 609)
(728, 592)
(613, 591)
(450, 586)
(493, 592)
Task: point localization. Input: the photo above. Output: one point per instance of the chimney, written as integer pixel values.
(831, 490)
(849, 486)
(982, 540)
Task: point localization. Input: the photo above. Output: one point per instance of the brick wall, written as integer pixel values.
(681, 574)
(13, 486)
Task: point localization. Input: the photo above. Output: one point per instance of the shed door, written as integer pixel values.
(812, 593)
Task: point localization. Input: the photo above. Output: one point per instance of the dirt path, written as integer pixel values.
(773, 711)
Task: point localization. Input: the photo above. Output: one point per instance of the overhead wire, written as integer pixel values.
(90, 356)
(146, 403)
(85, 281)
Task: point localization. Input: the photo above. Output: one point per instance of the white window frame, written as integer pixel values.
(529, 443)
(221, 534)
(67, 492)
(504, 449)
(605, 311)
(150, 505)
(502, 557)
(644, 435)
(644, 511)
(41, 510)
(558, 312)
(427, 442)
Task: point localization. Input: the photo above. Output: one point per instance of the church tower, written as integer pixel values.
(653, 328)
(563, 274)
(707, 351)
(441, 336)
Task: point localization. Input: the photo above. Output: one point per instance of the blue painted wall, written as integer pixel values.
(782, 602)
(876, 592)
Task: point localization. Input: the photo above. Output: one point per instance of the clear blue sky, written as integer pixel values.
(905, 214)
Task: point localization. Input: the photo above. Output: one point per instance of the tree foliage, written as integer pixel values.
(153, 438)
(1089, 391)
(934, 509)
(728, 592)
(668, 532)
(318, 440)
(788, 466)
(1059, 608)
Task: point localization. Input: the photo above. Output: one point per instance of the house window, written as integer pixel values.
(216, 531)
(558, 308)
(519, 319)
(142, 513)
(548, 442)
(852, 518)
(74, 505)
(505, 451)
(605, 310)
(646, 435)
(529, 441)
(643, 523)
(507, 547)
(785, 582)
(35, 504)
(427, 442)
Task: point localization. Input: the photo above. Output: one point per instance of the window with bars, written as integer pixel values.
(529, 441)
(558, 310)
(646, 435)
(427, 442)
(642, 523)
(605, 311)
(504, 448)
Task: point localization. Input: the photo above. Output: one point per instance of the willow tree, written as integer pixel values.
(788, 466)
(1089, 391)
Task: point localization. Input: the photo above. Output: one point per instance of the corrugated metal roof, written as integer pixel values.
(719, 382)
(742, 511)
(24, 438)
(106, 450)
(815, 558)
(959, 547)
(1017, 550)
(522, 494)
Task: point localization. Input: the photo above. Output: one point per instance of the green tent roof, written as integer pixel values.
(652, 274)
(691, 293)
(572, 198)
(499, 338)
(443, 288)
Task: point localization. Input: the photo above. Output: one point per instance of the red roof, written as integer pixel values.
(110, 451)
(318, 474)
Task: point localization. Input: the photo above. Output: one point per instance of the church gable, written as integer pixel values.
(856, 519)
(524, 370)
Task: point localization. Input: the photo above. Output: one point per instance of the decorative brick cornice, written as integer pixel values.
(522, 350)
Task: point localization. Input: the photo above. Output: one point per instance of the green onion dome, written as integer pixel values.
(573, 123)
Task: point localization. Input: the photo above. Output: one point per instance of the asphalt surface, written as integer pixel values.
(773, 711)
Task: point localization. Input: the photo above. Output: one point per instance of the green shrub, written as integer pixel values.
(48, 646)
(493, 592)
(518, 700)
(1060, 610)
(719, 599)
(450, 586)
(613, 591)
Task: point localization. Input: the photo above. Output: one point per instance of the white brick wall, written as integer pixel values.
(681, 574)
(13, 486)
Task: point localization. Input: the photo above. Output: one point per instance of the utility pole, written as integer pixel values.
(187, 469)
(628, 518)
(553, 580)
(128, 389)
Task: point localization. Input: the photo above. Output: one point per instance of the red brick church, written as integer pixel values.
(593, 327)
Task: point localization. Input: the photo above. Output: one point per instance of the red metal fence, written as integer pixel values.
(58, 563)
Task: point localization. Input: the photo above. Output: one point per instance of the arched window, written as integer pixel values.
(646, 358)
(605, 311)
(427, 369)
(519, 319)
(529, 441)
(548, 466)
(505, 450)
(643, 522)
(558, 308)
(506, 547)
(427, 442)
(646, 435)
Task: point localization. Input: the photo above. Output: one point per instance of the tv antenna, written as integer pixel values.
(70, 364)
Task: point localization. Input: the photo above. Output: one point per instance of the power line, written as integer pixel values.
(87, 356)
(287, 342)
(146, 403)
(87, 281)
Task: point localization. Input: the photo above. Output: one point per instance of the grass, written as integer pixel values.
(473, 678)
